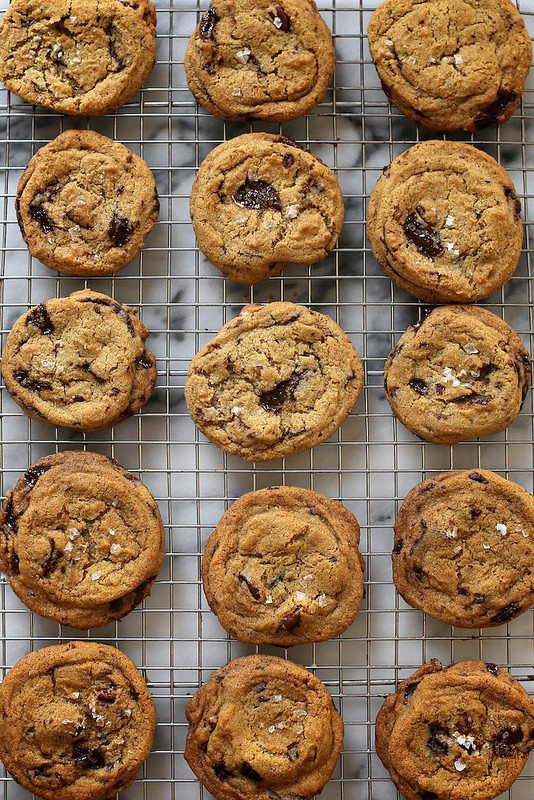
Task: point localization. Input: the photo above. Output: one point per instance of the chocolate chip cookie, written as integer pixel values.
(444, 222)
(81, 539)
(276, 380)
(451, 733)
(76, 721)
(283, 567)
(460, 373)
(451, 64)
(79, 361)
(258, 59)
(78, 57)
(263, 728)
(464, 547)
(260, 202)
(86, 204)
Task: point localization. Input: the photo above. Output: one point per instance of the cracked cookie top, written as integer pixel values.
(79, 361)
(258, 59)
(78, 57)
(460, 373)
(276, 380)
(76, 720)
(444, 222)
(451, 64)
(259, 202)
(282, 567)
(464, 547)
(450, 733)
(263, 728)
(81, 539)
(85, 204)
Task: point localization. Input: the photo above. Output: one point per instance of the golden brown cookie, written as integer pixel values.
(276, 380)
(78, 57)
(79, 361)
(451, 733)
(283, 567)
(259, 202)
(263, 728)
(85, 204)
(464, 548)
(444, 222)
(76, 721)
(460, 373)
(81, 539)
(451, 64)
(258, 59)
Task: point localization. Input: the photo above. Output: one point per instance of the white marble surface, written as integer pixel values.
(370, 464)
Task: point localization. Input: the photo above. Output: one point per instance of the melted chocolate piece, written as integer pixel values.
(505, 741)
(52, 560)
(252, 589)
(429, 796)
(507, 612)
(493, 669)
(257, 195)
(292, 620)
(276, 398)
(291, 143)
(491, 114)
(208, 23)
(106, 696)
(512, 198)
(87, 757)
(32, 475)
(410, 688)
(426, 239)
(476, 476)
(144, 361)
(250, 772)
(418, 386)
(288, 160)
(438, 739)
(23, 377)
(419, 574)
(221, 772)
(14, 564)
(281, 15)
(41, 217)
(120, 230)
(397, 546)
(40, 317)
(474, 512)
(10, 518)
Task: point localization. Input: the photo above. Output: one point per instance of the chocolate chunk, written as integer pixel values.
(23, 378)
(257, 195)
(106, 696)
(491, 114)
(87, 757)
(275, 399)
(438, 741)
(221, 772)
(252, 589)
(280, 20)
(120, 230)
(426, 239)
(418, 386)
(512, 198)
(52, 560)
(250, 772)
(14, 564)
(429, 796)
(32, 475)
(462, 591)
(476, 476)
(505, 741)
(38, 213)
(40, 317)
(291, 143)
(507, 612)
(397, 546)
(288, 160)
(10, 517)
(291, 620)
(208, 23)
(493, 669)
(410, 688)
(419, 574)
(144, 361)
(474, 512)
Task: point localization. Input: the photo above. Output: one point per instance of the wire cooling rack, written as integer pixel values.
(370, 464)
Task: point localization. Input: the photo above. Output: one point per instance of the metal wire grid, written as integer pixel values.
(370, 464)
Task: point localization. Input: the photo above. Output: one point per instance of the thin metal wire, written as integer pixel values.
(370, 464)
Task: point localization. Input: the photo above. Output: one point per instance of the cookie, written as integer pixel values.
(460, 373)
(81, 539)
(263, 728)
(79, 361)
(444, 222)
(276, 380)
(253, 59)
(76, 721)
(464, 547)
(451, 64)
(78, 57)
(451, 733)
(260, 202)
(85, 204)
(283, 567)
